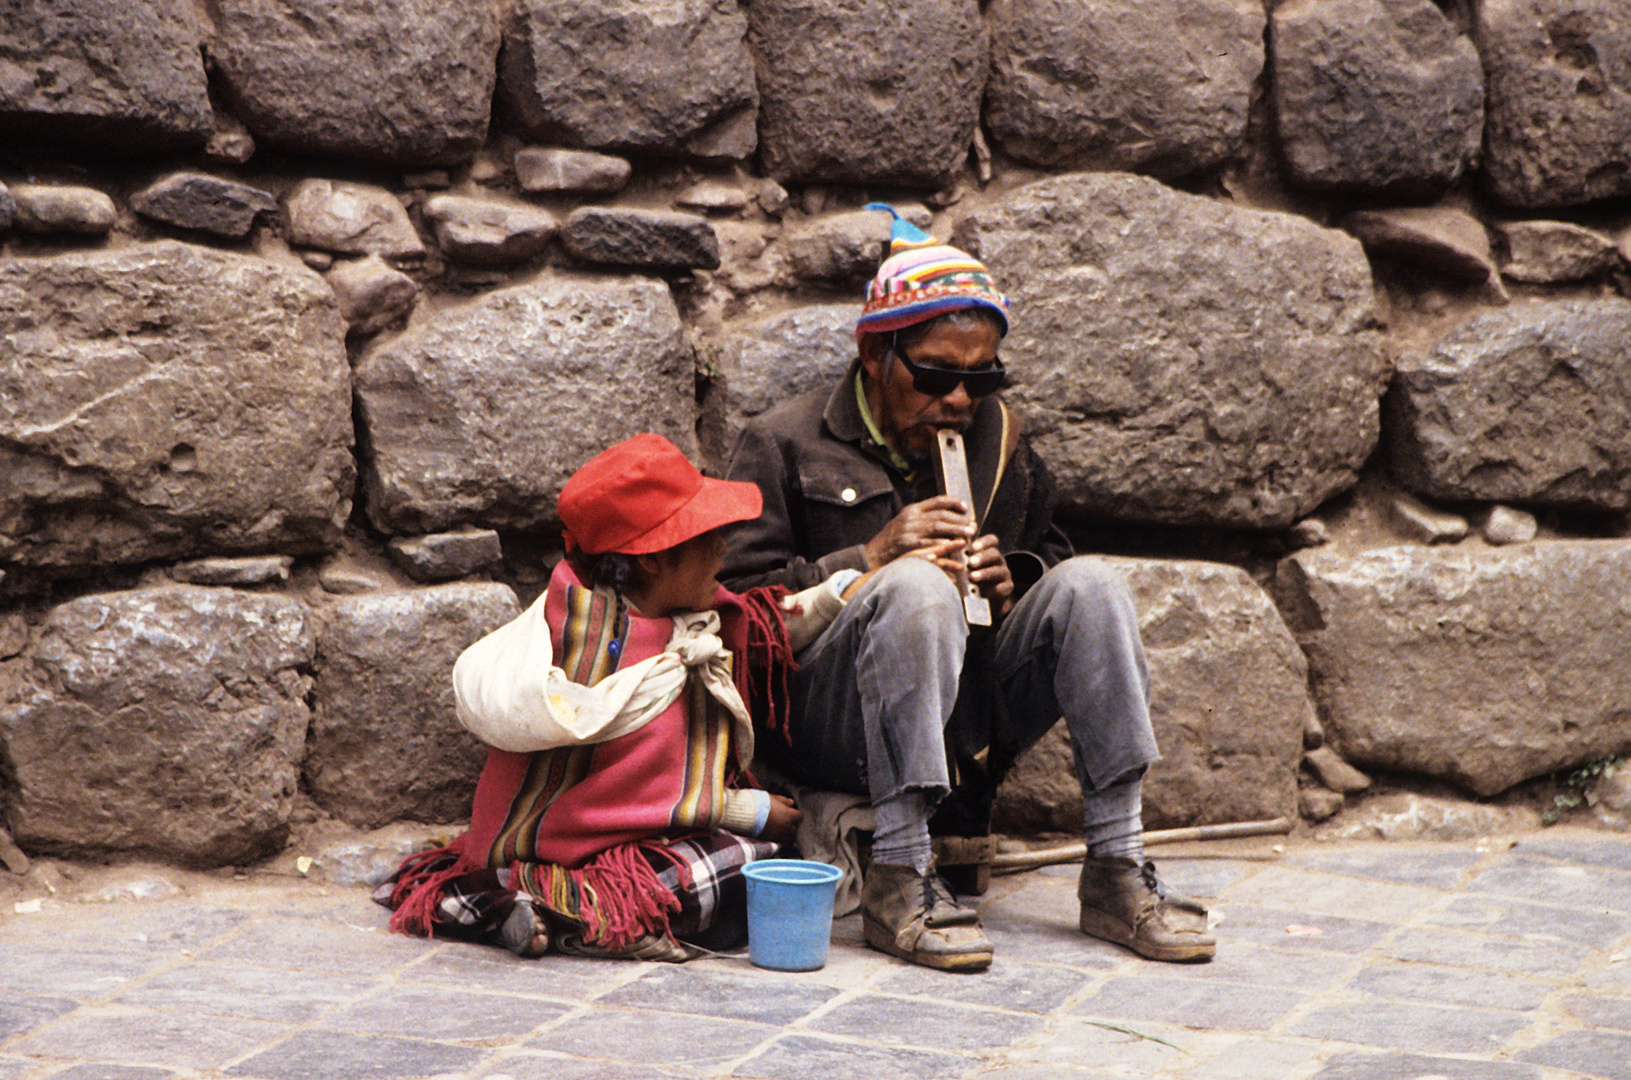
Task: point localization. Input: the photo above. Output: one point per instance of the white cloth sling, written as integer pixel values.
(510, 694)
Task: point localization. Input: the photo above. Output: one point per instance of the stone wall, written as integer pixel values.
(308, 309)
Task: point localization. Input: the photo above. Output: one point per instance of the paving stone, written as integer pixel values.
(1295, 930)
(70, 972)
(1150, 1049)
(927, 1024)
(1463, 949)
(1192, 1002)
(805, 1057)
(722, 994)
(1435, 869)
(471, 967)
(1254, 1059)
(10, 1067)
(110, 1072)
(653, 1038)
(1038, 922)
(329, 1055)
(148, 928)
(1519, 918)
(311, 946)
(249, 991)
(1030, 988)
(143, 1036)
(1574, 886)
(552, 1067)
(1285, 969)
(1415, 1027)
(24, 1013)
(1452, 986)
(1600, 1012)
(434, 1014)
(1356, 1065)
(1615, 853)
(1330, 894)
(1593, 1052)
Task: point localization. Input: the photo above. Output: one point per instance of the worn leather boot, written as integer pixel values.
(915, 917)
(1126, 903)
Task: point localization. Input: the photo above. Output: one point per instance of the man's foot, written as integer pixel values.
(1126, 903)
(915, 917)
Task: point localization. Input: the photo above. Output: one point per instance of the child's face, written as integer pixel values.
(686, 577)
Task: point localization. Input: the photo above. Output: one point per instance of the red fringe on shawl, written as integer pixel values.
(419, 886)
(753, 629)
(629, 900)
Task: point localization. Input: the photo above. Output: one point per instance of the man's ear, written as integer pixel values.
(873, 356)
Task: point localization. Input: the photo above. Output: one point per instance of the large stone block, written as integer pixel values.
(161, 722)
(385, 740)
(1228, 699)
(407, 82)
(1157, 87)
(168, 400)
(1182, 360)
(671, 77)
(859, 92)
(104, 74)
(1558, 74)
(1484, 668)
(1528, 404)
(479, 415)
(1375, 95)
(768, 361)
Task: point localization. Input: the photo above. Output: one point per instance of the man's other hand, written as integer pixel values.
(989, 571)
(920, 525)
(783, 822)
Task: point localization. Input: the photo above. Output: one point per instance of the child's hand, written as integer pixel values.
(783, 823)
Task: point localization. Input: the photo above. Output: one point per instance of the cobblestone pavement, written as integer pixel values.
(1469, 961)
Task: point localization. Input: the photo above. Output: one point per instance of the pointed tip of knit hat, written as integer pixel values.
(923, 278)
(903, 235)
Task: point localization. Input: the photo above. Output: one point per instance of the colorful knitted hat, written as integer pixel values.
(923, 278)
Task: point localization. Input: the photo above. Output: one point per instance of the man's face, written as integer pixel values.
(907, 418)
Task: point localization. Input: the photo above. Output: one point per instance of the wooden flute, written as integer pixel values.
(951, 472)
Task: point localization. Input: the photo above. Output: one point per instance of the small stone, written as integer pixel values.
(1506, 525)
(1545, 252)
(249, 570)
(430, 178)
(8, 208)
(1309, 532)
(230, 142)
(1407, 816)
(773, 198)
(487, 231)
(1422, 523)
(1439, 239)
(370, 859)
(485, 170)
(371, 294)
(1313, 732)
(1335, 773)
(1614, 788)
(841, 247)
(351, 219)
(713, 195)
(659, 239)
(204, 202)
(13, 634)
(548, 169)
(45, 208)
(317, 260)
(1318, 804)
(344, 578)
(444, 556)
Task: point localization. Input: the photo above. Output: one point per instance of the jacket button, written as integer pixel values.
(848, 494)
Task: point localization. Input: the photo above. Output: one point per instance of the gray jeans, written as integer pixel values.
(873, 693)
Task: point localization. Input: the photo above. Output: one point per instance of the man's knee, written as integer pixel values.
(1090, 582)
(918, 590)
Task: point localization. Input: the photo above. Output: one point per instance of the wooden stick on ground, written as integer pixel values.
(1013, 862)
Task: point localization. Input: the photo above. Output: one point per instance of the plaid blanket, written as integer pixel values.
(703, 871)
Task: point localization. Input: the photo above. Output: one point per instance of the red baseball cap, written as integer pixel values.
(642, 495)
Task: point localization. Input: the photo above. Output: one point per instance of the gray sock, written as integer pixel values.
(900, 834)
(1112, 822)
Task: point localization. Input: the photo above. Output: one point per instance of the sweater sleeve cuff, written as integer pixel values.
(746, 811)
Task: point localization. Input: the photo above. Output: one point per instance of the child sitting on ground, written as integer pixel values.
(614, 813)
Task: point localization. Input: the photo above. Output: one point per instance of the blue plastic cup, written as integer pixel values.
(790, 913)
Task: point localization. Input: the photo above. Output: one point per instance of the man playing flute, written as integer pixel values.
(900, 700)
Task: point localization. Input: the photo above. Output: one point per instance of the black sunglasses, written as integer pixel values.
(939, 381)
